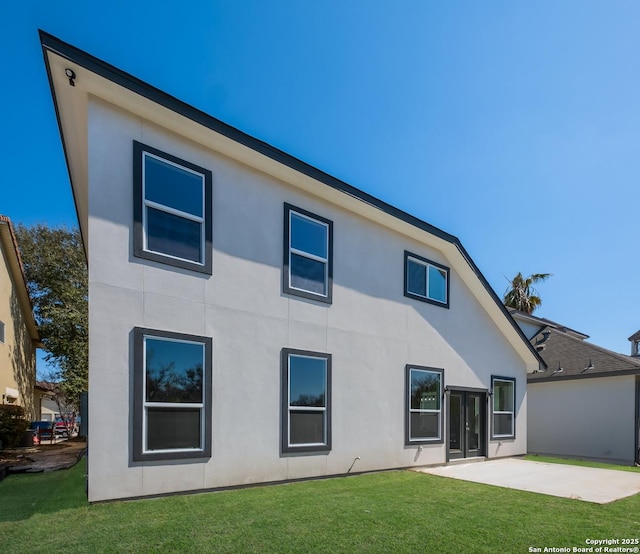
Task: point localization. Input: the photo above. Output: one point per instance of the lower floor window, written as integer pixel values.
(424, 399)
(503, 424)
(306, 401)
(172, 387)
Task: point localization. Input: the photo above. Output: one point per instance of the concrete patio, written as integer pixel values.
(579, 483)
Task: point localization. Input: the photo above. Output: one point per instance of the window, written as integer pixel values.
(1, 331)
(308, 254)
(503, 407)
(306, 401)
(424, 404)
(426, 280)
(172, 210)
(172, 395)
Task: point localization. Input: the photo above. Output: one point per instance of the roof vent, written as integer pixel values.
(545, 337)
(590, 366)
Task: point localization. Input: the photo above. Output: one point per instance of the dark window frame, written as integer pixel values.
(407, 407)
(493, 413)
(2, 332)
(286, 448)
(139, 249)
(286, 282)
(428, 263)
(139, 368)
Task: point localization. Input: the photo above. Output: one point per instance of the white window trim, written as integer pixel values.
(168, 209)
(504, 412)
(420, 411)
(171, 405)
(428, 265)
(307, 408)
(308, 255)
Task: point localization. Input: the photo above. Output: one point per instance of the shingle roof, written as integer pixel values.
(635, 336)
(573, 355)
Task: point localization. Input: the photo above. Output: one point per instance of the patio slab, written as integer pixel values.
(579, 483)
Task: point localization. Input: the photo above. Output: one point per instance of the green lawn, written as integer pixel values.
(573, 462)
(398, 511)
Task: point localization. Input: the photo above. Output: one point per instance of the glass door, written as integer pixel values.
(467, 424)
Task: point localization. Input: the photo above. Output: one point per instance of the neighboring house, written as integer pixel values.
(18, 333)
(46, 404)
(253, 319)
(635, 344)
(587, 403)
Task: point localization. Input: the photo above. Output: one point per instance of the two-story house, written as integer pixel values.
(587, 403)
(18, 332)
(253, 319)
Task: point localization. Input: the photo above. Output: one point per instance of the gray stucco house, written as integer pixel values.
(253, 319)
(587, 403)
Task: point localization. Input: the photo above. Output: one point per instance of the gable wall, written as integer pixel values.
(529, 329)
(371, 329)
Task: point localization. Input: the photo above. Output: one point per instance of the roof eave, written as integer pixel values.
(576, 376)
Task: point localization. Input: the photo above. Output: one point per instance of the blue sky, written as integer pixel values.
(513, 125)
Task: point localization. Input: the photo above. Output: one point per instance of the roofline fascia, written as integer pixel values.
(530, 318)
(503, 308)
(43, 34)
(128, 81)
(604, 374)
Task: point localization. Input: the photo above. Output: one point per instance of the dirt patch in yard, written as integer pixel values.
(44, 457)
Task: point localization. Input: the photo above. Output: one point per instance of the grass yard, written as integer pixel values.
(585, 463)
(398, 511)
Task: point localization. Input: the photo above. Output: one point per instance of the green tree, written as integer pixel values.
(521, 295)
(56, 270)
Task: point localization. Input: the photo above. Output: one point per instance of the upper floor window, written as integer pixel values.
(1, 331)
(426, 280)
(172, 210)
(172, 387)
(308, 254)
(504, 420)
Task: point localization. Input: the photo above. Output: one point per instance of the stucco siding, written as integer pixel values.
(17, 352)
(371, 329)
(586, 418)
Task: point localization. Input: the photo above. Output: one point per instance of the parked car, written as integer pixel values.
(60, 428)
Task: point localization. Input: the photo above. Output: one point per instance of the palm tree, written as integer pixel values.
(521, 295)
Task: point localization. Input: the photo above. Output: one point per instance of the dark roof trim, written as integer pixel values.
(603, 375)
(111, 73)
(64, 144)
(635, 336)
(544, 322)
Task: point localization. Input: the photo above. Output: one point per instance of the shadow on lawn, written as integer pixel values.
(23, 496)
